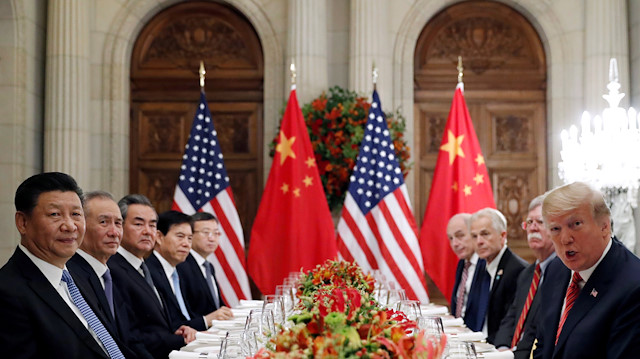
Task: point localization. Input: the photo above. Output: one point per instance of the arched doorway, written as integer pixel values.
(165, 93)
(505, 89)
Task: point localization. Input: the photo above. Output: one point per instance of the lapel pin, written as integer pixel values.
(594, 292)
(499, 274)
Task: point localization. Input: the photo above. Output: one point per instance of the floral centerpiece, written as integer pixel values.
(339, 318)
(335, 123)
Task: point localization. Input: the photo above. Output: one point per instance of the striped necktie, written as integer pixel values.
(462, 286)
(94, 323)
(572, 293)
(537, 274)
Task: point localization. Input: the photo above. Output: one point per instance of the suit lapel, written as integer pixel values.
(137, 278)
(50, 296)
(590, 294)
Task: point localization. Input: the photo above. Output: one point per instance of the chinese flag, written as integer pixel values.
(293, 229)
(460, 184)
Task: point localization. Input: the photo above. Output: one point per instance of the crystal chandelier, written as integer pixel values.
(606, 153)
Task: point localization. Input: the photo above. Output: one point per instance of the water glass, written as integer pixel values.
(432, 326)
(276, 305)
(461, 350)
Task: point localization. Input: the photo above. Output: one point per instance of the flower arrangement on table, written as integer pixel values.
(335, 123)
(339, 318)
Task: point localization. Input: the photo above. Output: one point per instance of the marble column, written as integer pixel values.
(606, 36)
(307, 47)
(369, 43)
(66, 137)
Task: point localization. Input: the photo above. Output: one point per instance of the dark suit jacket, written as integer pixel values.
(35, 322)
(162, 284)
(503, 291)
(85, 277)
(475, 297)
(605, 319)
(149, 319)
(195, 289)
(508, 324)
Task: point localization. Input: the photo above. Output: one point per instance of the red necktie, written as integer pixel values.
(537, 273)
(462, 288)
(570, 298)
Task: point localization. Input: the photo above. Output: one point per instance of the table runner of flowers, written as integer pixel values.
(338, 317)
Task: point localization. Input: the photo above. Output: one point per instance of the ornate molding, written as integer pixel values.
(513, 197)
(483, 42)
(512, 133)
(198, 37)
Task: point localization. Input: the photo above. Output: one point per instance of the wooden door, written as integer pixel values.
(505, 91)
(165, 92)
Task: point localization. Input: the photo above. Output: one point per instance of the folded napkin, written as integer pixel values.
(209, 336)
(188, 355)
(244, 303)
(453, 322)
(434, 310)
(469, 336)
(496, 355)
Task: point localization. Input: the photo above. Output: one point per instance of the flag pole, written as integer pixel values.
(292, 69)
(374, 75)
(202, 72)
(460, 69)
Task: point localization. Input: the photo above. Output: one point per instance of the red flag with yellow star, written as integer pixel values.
(293, 229)
(460, 184)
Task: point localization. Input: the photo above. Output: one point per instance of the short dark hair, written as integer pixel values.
(29, 191)
(130, 199)
(172, 218)
(203, 216)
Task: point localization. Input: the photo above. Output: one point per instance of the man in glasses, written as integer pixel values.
(200, 287)
(517, 329)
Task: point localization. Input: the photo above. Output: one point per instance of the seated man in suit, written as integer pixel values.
(469, 272)
(489, 230)
(591, 294)
(172, 248)
(89, 266)
(197, 274)
(517, 329)
(42, 312)
(159, 335)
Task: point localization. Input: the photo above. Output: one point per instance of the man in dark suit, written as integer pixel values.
(42, 312)
(470, 267)
(591, 309)
(198, 278)
(172, 248)
(155, 329)
(517, 329)
(90, 271)
(489, 230)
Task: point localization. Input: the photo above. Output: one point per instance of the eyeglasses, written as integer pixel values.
(209, 234)
(530, 221)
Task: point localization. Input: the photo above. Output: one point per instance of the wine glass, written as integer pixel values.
(461, 350)
(432, 326)
(285, 292)
(395, 296)
(276, 305)
(411, 308)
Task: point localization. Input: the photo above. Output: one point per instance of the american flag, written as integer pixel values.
(377, 229)
(203, 186)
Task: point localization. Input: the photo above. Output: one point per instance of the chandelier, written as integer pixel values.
(606, 152)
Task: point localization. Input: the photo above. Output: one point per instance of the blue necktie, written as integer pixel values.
(208, 268)
(176, 289)
(93, 321)
(108, 290)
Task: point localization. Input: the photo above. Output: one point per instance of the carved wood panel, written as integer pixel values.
(505, 84)
(165, 92)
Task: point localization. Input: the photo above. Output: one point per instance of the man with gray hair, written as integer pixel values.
(592, 291)
(489, 230)
(517, 329)
(469, 273)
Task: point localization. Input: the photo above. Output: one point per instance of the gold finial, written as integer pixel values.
(202, 72)
(374, 75)
(292, 68)
(460, 69)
